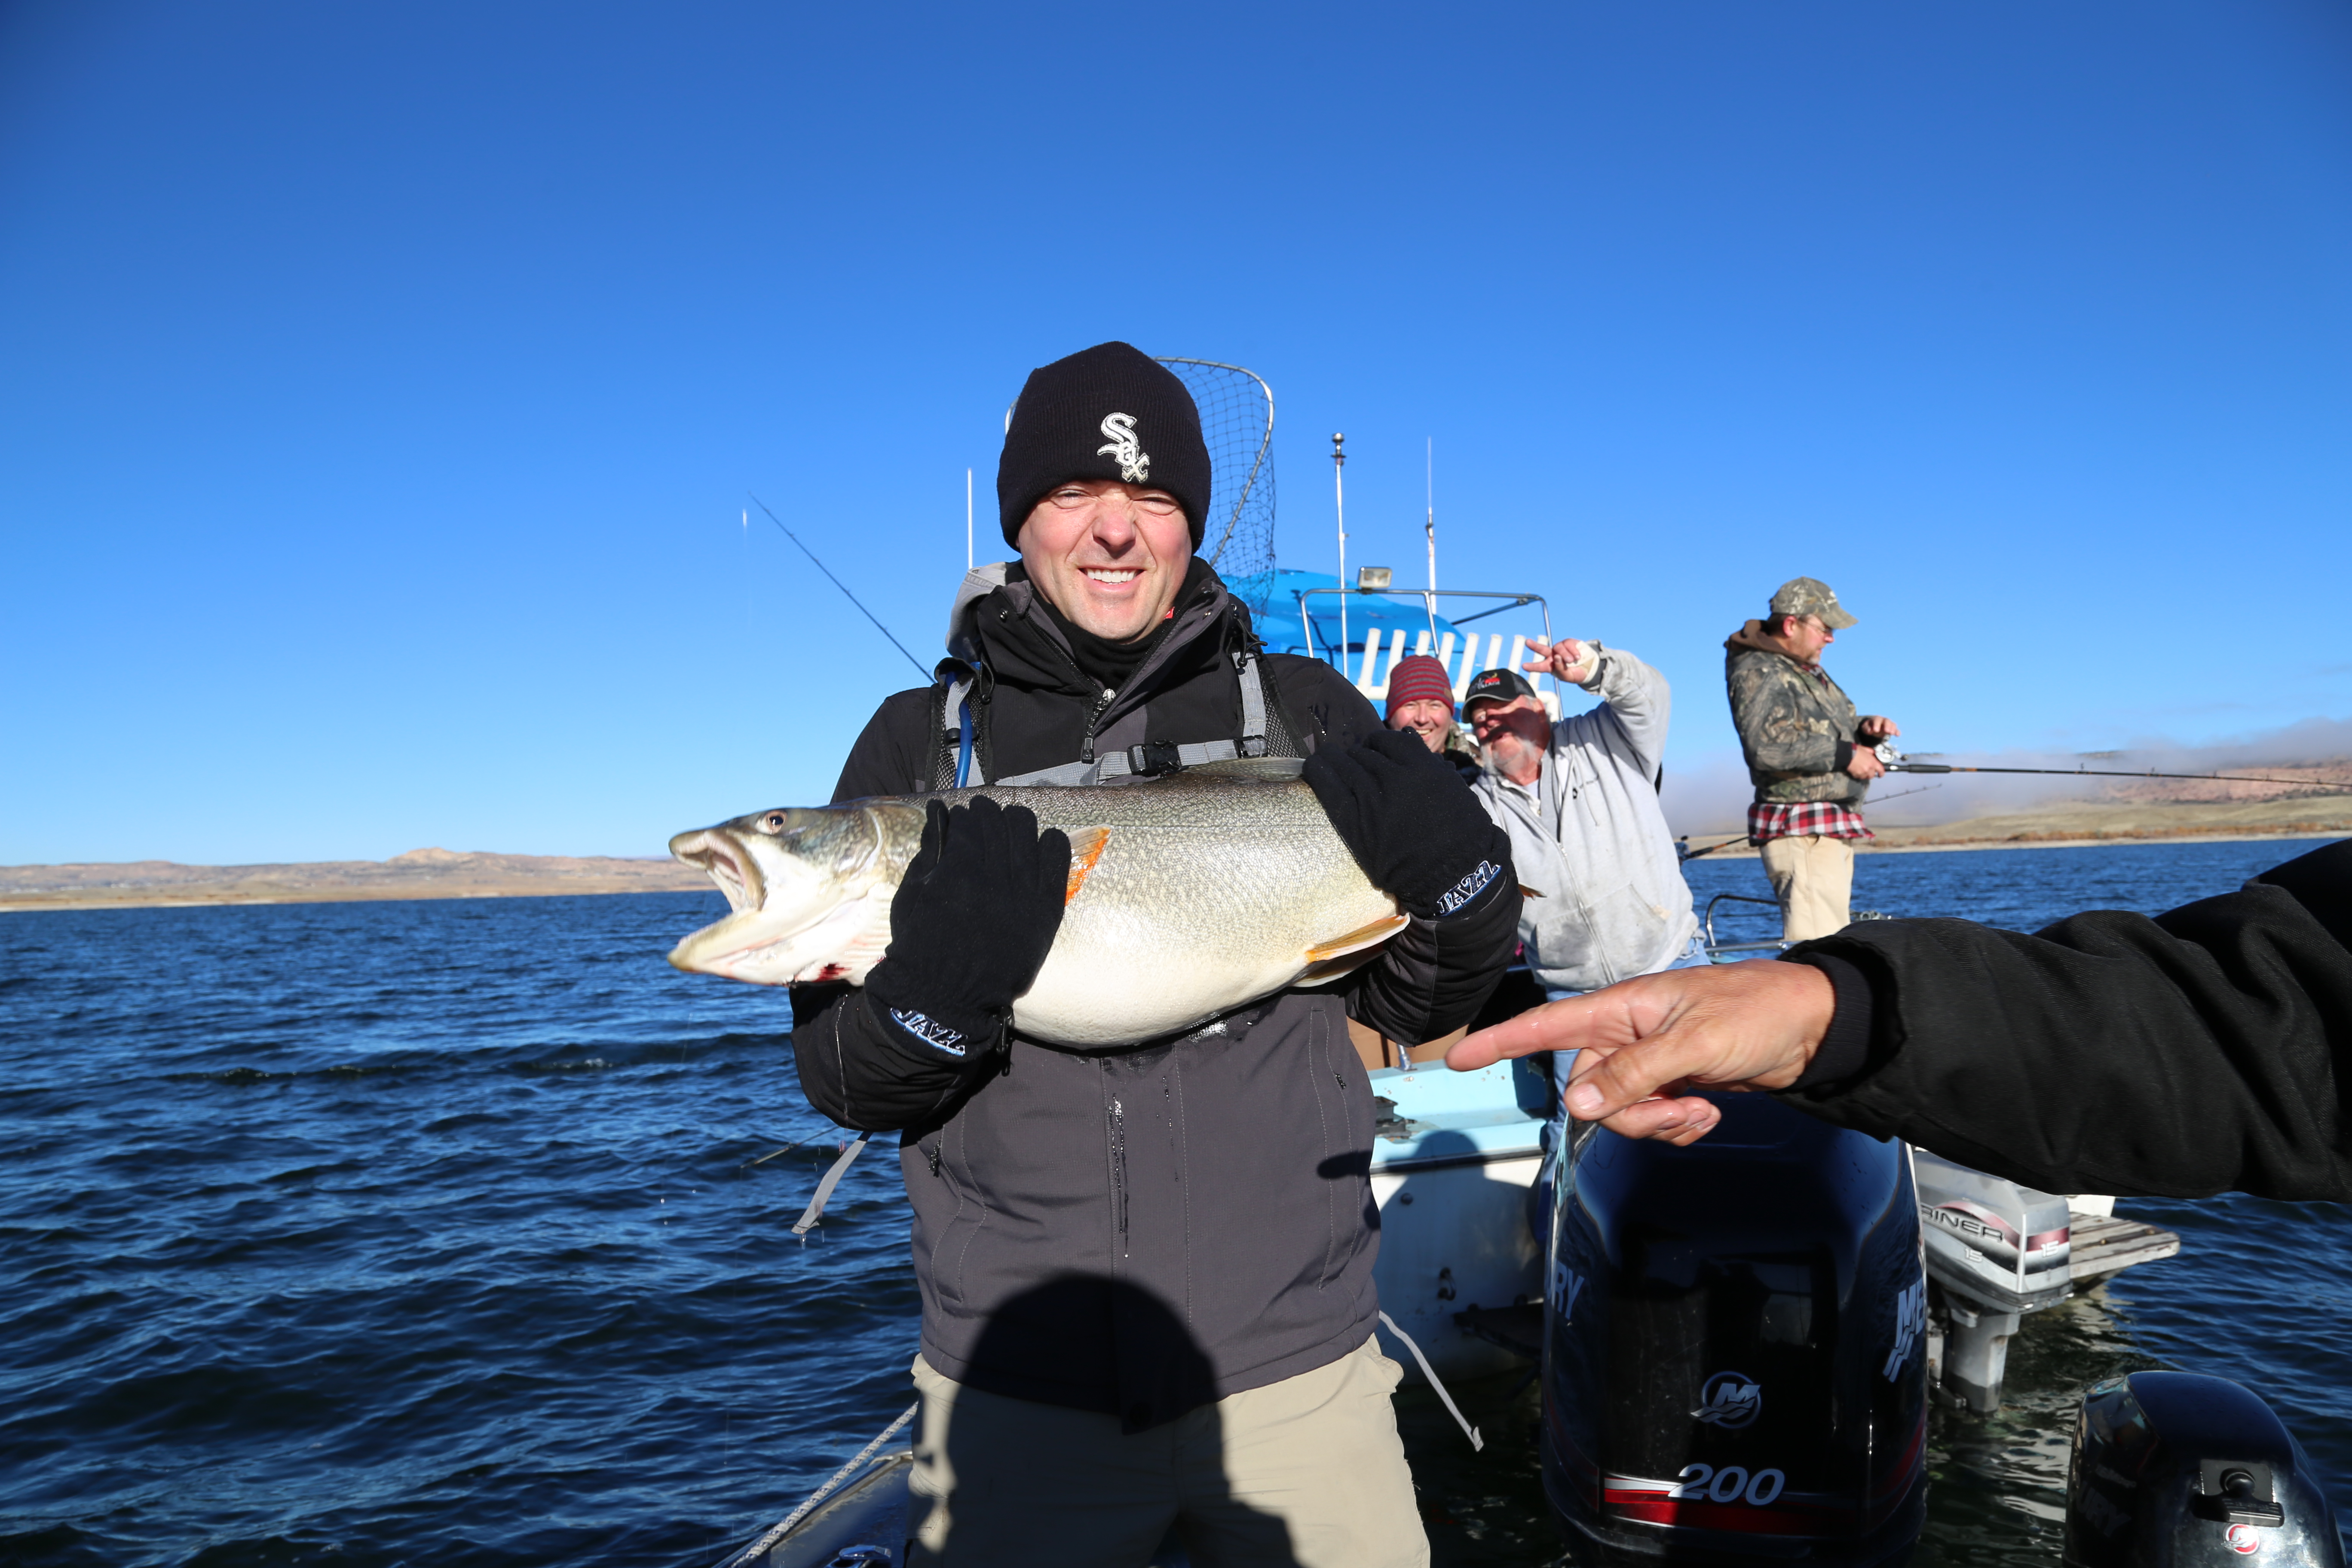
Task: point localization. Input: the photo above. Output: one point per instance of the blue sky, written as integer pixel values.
(385, 382)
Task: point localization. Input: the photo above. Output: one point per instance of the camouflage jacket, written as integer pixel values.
(1797, 727)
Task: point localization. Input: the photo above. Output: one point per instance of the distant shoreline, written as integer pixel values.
(435, 875)
(199, 897)
(419, 874)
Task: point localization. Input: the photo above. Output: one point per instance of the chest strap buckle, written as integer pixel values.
(1154, 759)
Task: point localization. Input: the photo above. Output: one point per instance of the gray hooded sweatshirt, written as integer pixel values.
(1593, 840)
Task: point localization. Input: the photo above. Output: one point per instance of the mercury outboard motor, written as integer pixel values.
(2175, 1469)
(1735, 1355)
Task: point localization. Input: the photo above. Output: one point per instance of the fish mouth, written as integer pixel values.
(727, 863)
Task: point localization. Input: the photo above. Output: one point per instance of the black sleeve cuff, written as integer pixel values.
(1845, 755)
(1844, 1049)
(941, 1035)
(1479, 889)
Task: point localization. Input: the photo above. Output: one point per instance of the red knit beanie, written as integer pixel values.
(1417, 679)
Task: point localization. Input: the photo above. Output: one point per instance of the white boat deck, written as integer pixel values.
(1453, 1160)
(2103, 1245)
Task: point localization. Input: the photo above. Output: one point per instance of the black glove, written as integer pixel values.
(1410, 822)
(970, 926)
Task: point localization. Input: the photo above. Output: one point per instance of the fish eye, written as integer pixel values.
(773, 822)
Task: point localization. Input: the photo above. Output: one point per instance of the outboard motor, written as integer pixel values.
(1996, 1250)
(2173, 1469)
(1734, 1350)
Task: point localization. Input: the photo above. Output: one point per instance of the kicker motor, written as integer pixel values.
(2174, 1468)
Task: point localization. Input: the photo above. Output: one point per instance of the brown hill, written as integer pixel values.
(418, 874)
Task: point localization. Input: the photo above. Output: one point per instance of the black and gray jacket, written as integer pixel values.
(1141, 1231)
(2205, 1050)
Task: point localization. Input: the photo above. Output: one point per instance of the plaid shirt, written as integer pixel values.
(1795, 819)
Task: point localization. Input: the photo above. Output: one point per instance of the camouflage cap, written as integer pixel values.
(1810, 596)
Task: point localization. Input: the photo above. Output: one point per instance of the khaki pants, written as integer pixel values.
(1308, 1472)
(1813, 879)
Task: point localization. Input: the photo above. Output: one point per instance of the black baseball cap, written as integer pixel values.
(1496, 685)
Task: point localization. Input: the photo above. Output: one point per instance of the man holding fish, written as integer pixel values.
(1134, 1131)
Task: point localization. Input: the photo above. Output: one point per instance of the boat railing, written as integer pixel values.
(1777, 944)
(1706, 923)
(1459, 652)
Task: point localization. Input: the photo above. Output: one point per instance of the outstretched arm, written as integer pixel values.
(1648, 1041)
(2202, 1051)
(1639, 697)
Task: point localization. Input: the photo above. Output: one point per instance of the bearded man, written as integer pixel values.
(1580, 799)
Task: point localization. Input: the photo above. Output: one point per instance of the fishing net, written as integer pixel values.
(1237, 422)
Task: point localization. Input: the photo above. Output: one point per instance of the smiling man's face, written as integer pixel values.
(1425, 717)
(1110, 556)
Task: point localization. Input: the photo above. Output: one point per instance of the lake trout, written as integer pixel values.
(1188, 896)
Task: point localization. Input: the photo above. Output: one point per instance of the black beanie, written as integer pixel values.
(1110, 411)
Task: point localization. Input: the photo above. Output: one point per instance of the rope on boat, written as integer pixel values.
(826, 1490)
(807, 1221)
(1477, 1444)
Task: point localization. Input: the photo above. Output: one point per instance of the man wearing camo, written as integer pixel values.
(1808, 754)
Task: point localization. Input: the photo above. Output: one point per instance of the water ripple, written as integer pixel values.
(459, 1234)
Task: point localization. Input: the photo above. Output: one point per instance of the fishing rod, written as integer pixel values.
(1895, 763)
(843, 587)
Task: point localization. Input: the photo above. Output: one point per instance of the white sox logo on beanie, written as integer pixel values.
(1124, 448)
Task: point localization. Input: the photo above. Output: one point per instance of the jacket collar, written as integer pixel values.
(998, 622)
(1753, 639)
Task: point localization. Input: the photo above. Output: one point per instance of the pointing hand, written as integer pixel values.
(1646, 1042)
(1567, 660)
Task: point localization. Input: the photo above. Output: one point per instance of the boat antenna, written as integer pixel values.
(843, 587)
(1339, 500)
(967, 519)
(1430, 603)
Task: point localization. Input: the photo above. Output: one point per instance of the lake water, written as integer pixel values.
(458, 1233)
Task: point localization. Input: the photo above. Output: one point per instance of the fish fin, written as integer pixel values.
(1087, 845)
(1338, 968)
(1362, 937)
(1528, 892)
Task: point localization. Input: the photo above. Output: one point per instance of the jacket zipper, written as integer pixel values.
(1119, 1172)
(1102, 706)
